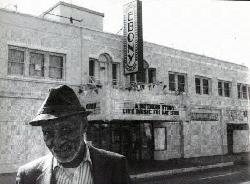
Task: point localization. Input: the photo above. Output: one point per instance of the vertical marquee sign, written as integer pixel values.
(133, 40)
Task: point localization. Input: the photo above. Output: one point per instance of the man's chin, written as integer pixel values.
(71, 158)
(71, 162)
(64, 158)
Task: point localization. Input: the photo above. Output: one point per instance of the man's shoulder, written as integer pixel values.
(109, 165)
(107, 154)
(36, 165)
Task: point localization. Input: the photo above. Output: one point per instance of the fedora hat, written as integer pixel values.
(60, 102)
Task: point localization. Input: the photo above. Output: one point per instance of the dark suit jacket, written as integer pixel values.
(108, 168)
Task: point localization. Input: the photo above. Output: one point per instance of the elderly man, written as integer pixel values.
(72, 161)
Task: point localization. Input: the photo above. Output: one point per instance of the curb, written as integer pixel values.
(178, 171)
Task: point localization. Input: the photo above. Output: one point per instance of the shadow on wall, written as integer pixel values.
(8, 178)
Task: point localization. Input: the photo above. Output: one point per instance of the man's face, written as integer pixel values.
(64, 137)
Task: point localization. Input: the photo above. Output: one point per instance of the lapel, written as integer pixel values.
(101, 172)
(46, 175)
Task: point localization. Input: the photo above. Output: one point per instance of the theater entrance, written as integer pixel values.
(132, 139)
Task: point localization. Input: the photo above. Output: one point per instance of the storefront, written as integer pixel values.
(138, 129)
(237, 130)
(131, 138)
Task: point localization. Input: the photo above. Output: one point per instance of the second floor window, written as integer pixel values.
(92, 73)
(114, 73)
(56, 66)
(103, 70)
(224, 88)
(35, 63)
(36, 67)
(242, 90)
(177, 82)
(16, 61)
(198, 85)
(91, 67)
(151, 75)
(202, 85)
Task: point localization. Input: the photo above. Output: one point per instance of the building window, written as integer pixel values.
(16, 61)
(198, 85)
(55, 67)
(227, 89)
(91, 68)
(145, 71)
(36, 66)
(202, 85)
(239, 90)
(242, 91)
(177, 82)
(103, 70)
(31, 63)
(114, 73)
(220, 88)
(205, 86)
(181, 83)
(133, 78)
(171, 82)
(151, 75)
(224, 88)
(148, 75)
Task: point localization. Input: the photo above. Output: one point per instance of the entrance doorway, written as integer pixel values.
(128, 138)
(132, 139)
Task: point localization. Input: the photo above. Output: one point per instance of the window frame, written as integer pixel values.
(176, 82)
(244, 92)
(92, 69)
(172, 85)
(223, 89)
(63, 67)
(197, 86)
(229, 89)
(151, 73)
(27, 63)
(20, 49)
(220, 88)
(115, 78)
(202, 88)
(240, 93)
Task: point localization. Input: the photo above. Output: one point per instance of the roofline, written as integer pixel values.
(120, 36)
(72, 6)
(199, 55)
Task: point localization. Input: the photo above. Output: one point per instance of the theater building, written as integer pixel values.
(188, 105)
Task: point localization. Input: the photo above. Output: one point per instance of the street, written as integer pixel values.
(239, 174)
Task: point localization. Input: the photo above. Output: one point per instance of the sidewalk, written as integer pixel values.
(147, 169)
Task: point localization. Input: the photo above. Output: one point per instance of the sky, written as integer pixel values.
(218, 29)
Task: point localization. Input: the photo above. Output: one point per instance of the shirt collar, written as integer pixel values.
(86, 158)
